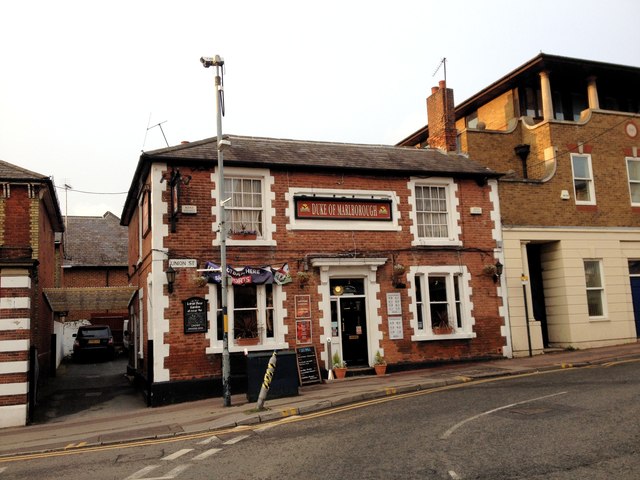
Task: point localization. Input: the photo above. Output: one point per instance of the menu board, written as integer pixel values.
(195, 315)
(308, 370)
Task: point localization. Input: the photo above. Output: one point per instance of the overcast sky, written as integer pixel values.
(82, 83)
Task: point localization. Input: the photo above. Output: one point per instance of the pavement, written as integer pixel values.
(125, 420)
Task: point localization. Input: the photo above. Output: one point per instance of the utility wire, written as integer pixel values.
(92, 193)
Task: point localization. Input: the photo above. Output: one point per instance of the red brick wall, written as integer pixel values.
(194, 237)
(17, 228)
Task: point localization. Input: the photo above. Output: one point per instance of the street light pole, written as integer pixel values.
(226, 368)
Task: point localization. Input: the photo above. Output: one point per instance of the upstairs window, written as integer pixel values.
(245, 209)
(583, 179)
(633, 173)
(431, 210)
(435, 215)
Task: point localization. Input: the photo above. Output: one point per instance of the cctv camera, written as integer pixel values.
(212, 61)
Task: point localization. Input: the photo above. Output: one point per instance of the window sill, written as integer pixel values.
(261, 347)
(598, 319)
(254, 242)
(424, 242)
(448, 336)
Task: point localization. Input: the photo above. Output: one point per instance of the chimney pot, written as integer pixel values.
(442, 84)
(434, 90)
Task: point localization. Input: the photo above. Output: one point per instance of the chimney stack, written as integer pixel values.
(441, 118)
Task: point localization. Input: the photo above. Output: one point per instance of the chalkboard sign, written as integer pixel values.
(308, 370)
(195, 315)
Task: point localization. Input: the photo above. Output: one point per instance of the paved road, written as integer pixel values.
(569, 424)
(83, 388)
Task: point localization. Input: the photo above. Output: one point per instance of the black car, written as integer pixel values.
(93, 340)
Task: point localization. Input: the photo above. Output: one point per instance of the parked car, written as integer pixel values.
(93, 340)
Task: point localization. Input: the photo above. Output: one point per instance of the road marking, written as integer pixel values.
(177, 454)
(75, 445)
(139, 475)
(453, 475)
(330, 411)
(236, 440)
(207, 453)
(448, 433)
(619, 362)
(207, 441)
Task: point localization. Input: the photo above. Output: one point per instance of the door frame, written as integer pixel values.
(365, 268)
(348, 356)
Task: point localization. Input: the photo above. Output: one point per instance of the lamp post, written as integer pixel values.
(226, 370)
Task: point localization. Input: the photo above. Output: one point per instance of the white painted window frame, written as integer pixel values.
(590, 180)
(453, 215)
(450, 272)
(601, 289)
(632, 181)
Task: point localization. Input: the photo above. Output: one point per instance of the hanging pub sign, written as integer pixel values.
(249, 275)
(318, 208)
(195, 315)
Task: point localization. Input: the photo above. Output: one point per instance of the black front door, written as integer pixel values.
(353, 325)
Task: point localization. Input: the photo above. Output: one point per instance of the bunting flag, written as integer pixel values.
(249, 275)
(282, 275)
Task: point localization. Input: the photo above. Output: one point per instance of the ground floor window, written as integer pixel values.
(250, 312)
(441, 304)
(595, 287)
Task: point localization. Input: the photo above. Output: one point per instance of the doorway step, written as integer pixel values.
(360, 371)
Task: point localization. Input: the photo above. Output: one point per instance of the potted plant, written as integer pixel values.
(398, 271)
(441, 325)
(303, 278)
(339, 366)
(245, 330)
(200, 280)
(243, 233)
(379, 363)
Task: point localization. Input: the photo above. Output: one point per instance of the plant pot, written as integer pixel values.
(244, 236)
(340, 372)
(442, 330)
(243, 342)
(380, 369)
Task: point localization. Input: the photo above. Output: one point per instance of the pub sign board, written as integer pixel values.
(319, 208)
(195, 315)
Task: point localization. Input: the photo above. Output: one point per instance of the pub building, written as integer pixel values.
(330, 247)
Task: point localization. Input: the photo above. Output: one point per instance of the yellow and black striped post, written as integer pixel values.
(266, 383)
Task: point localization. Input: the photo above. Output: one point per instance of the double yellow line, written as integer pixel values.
(290, 415)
